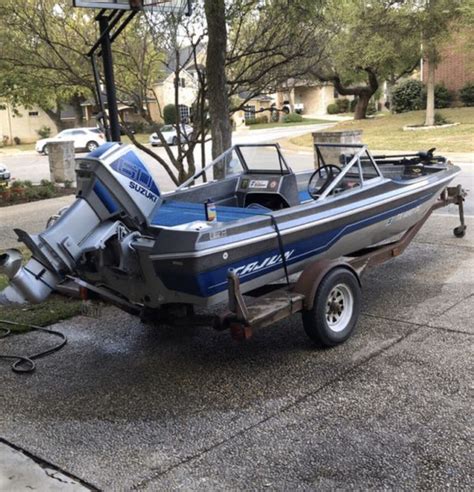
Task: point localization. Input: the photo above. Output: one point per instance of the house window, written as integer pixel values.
(249, 112)
(184, 113)
(181, 82)
(335, 93)
(33, 113)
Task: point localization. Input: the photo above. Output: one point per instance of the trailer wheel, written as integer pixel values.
(459, 231)
(336, 307)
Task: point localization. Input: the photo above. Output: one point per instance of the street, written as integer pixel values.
(35, 167)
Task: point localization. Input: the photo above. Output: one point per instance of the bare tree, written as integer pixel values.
(221, 127)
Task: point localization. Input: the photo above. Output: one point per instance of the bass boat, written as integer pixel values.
(247, 212)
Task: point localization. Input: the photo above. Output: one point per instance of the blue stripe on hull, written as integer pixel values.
(212, 282)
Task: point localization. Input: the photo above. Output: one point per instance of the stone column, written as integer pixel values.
(339, 137)
(61, 162)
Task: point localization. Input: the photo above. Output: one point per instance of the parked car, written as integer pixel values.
(84, 139)
(169, 133)
(297, 107)
(4, 174)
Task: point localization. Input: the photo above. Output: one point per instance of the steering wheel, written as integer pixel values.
(321, 179)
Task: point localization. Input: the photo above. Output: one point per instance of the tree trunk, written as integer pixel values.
(430, 86)
(221, 128)
(362, 104)
(76, 101)
(56, 117)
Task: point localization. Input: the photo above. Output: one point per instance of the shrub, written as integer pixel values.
(466, 94)
(45, 192)
(407, 96)
(342, 105)
(169, 114)
(257, 120)
(332, 108)
(32, 193)
(17, 184)
(136, 126)
(17, 140)
(47, 184)
(292, 118)
(44, 132)
(371, 107)
(443, 97)
(439, 119)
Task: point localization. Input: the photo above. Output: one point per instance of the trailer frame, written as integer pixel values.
(242, 318)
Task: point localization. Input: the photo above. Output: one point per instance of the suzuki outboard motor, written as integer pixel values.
(116, 195)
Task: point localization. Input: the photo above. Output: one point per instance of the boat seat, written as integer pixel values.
(173, 213)
(304, 196)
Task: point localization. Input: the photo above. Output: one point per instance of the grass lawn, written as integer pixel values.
(55, 309)
(306, 121)
(13, 149)
(141, 137)
(386, 132)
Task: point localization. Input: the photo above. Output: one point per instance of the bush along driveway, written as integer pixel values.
(25, 191)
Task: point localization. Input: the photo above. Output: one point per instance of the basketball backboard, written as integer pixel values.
(158, 5)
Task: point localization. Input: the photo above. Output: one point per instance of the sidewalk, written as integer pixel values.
(20, 472)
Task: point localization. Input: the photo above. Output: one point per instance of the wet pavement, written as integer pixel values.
(131, 406)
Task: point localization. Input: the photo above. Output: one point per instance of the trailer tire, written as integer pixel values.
(336, 308)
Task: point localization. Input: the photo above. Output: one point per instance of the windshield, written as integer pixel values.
(341, 167)
(167, 128)
(263, 158)
(227, 165)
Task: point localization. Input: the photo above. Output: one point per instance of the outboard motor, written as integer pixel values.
(116, 195)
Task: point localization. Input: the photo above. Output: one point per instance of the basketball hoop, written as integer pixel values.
(162, 6)
(154, 6)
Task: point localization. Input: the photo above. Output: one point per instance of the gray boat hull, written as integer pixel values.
(131, 244)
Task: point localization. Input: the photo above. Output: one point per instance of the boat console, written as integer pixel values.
(272, 191)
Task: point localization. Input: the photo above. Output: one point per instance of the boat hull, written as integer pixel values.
(200, 277)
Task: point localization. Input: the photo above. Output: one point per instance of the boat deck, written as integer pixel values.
(174, 213)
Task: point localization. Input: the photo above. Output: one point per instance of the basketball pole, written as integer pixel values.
(110, 26)
(109, 77)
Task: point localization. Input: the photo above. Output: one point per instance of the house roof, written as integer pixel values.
(259, 97)
(185, 57)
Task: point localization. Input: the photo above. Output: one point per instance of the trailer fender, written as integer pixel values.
(313, 274)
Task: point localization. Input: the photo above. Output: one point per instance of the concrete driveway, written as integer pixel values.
(127, 406)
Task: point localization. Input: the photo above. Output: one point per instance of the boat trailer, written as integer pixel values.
(242, 318)
(327, 292)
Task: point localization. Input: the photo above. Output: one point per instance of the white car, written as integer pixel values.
(86, 139)
(4, 174)
(169, 133)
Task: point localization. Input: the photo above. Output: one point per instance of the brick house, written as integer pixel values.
(456, 67)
